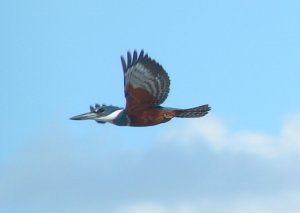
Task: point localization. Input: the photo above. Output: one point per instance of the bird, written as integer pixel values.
(146, 87)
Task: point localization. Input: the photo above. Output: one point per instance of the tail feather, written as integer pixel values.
(192, 112)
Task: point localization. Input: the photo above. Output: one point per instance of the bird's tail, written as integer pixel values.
(192, 112)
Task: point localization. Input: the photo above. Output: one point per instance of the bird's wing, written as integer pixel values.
(146, 82)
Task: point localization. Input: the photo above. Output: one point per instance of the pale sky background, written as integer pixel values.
(242, 57)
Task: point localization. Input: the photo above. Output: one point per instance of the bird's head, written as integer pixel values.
(100, 114)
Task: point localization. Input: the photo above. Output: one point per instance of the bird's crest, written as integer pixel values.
(97, 108)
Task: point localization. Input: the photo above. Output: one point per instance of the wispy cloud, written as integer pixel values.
(205, 168)
(214, 133)
(286, 202)
(143, 207)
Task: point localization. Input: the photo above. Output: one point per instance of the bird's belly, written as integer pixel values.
(151, 117)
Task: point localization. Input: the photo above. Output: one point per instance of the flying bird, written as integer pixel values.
(146, 86)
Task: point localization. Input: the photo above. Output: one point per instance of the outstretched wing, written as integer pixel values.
(146, 83)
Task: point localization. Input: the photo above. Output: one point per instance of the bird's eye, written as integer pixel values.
(98, 108)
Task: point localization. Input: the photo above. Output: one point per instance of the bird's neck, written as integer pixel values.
(121, 119)
(112, 116)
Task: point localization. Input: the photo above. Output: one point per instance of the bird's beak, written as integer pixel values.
(86, 116)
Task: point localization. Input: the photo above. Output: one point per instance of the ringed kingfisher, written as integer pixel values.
(146, 86)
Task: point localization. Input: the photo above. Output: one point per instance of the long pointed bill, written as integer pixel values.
(85, 116)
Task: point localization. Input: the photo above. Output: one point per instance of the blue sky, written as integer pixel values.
(241, 57)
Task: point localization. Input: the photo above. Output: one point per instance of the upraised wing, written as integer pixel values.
(146, 83)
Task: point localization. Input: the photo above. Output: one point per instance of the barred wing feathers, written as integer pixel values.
(146, 83)
(192, 112)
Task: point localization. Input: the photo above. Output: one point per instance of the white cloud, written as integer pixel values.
(143, 208)
(277, 203)
(215, 134)
(291, 133)
(59, 174)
